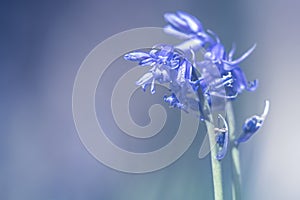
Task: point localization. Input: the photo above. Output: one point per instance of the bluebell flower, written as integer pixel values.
(168, 66)
(163, 60)
(159, 55)
(189, 27)
(252, 125)
(186, 26)
(229, 67)
(240, 82)
(214, 84)
(192, 82)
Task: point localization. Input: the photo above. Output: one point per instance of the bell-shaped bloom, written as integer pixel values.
(186, 26)
(168, 66)
(252, 125)
(227, 66)
(184, 22)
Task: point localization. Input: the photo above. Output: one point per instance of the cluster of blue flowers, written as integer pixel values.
(216, 74)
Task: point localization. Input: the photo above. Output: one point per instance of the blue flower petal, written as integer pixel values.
(188, 73)
(177, 23)
(243, 57)
(184, 22)
(154, 53)
(184, 72)
(252, 85)
(147, 62)
(231, 52)
(217, 39)
(186, 26)
(193, 23)
(218, 51)
(240, 82)
(145, 80)
(152, 89)
(252, 125)
(175, 62)
(165, 50)
(173, 101)
(249, 128)
(136, 56)
(172, 31)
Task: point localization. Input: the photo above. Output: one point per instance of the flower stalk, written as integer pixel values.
(216, 166)
(235, 155)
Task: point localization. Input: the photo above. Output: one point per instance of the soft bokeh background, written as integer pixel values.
(42, 46)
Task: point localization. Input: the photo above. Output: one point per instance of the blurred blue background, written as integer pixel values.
(42, 46)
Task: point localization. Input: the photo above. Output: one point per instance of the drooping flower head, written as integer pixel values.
(193, 81)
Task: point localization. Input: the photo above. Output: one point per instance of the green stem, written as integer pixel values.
(235, 156)
(215, 164)
(236, 173)
(204, 109)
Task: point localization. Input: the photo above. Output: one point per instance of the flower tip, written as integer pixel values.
(183, 22)
(167, 16)
(194, 24)
(218, 41)
(266, 110)
(127, 56)
(136, 56)
(252, 85)
(247, 53)
(240, 59)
